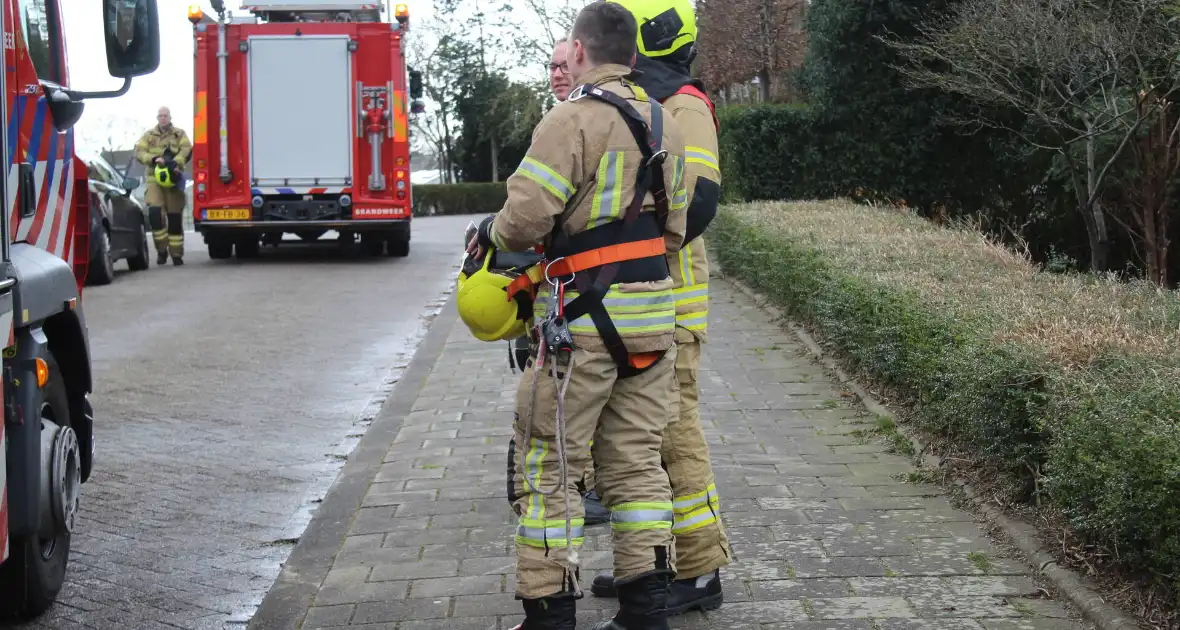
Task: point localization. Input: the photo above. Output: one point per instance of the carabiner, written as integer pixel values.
(549, 279)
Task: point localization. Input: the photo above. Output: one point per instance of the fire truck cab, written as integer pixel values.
(301, 125)
(47, 437)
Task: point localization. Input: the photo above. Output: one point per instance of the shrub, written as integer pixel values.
(452, 199)
(1067, 382)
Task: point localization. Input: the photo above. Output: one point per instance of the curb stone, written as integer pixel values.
(1096, 609)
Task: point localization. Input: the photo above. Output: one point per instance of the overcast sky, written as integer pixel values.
(121, 120)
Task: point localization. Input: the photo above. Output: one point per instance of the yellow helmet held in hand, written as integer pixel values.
(483, 302)
(665, 26)
(163, 176)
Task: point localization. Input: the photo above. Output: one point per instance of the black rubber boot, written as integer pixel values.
(162, 258)
(178, 261)
(549, 613)
(596, 512)
(703, 593)
(642, 605)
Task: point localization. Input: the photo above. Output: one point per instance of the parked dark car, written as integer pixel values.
(118, 223)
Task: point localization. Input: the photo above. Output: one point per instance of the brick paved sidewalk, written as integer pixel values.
(824, 533)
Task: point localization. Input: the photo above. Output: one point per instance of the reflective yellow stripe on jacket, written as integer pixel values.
(632, 313)
(690, 267)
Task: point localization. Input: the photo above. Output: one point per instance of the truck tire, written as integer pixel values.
(220, 248)
(248, 246)
(142, 258)
(373, 244)
(102, 268)
(36, 569)
(399, 245)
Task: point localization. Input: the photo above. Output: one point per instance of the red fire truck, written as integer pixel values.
(301, 125)
(46, 438)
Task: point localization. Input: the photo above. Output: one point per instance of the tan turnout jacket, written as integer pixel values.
(584, 161)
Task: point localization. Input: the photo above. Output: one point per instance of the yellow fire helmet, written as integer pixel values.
(164, 177)
(483, 303)
(665, 26)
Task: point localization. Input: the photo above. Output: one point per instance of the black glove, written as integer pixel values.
(485, 236)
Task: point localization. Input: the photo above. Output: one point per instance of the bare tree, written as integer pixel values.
(1149, 191)
(1082, 72)
(744, 39)
(551, 19)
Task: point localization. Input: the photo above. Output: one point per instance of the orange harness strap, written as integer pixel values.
(582, 261)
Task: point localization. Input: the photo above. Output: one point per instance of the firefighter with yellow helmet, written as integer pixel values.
(163, 151)
(667, 46)
(601, 190)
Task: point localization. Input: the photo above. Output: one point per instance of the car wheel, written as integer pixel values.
(102, 268)
(142, 257)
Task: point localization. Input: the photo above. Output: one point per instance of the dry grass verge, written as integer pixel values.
(1069, 385)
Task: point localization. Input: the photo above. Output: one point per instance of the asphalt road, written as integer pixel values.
(228, 394)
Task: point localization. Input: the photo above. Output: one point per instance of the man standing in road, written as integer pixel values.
(163, 151)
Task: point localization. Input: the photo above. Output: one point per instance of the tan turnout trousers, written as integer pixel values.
(165, 214)
(701, 543)
(626, 419)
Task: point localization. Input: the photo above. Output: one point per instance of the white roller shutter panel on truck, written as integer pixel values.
(301, 120)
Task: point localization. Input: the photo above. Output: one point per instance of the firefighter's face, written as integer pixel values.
(559, 72)
(164, 118)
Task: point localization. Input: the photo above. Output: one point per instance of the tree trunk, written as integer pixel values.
(1096, 225)
(764, 85)
(495, 160)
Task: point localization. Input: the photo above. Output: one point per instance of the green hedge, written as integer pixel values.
(452, 199)
(1066, 382)
(788, 152)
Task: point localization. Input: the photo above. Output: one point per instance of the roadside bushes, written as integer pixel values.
(1066, 382)
(450, 199)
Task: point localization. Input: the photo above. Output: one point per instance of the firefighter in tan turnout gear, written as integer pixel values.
(667, 45)
(163, 151)
(595, 513)
(601, 189)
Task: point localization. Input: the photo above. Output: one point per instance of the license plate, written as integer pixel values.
(232, 214)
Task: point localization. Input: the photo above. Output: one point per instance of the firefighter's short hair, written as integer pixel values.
(607, 31)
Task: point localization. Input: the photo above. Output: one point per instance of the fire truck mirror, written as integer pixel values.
(415, 84)
(132, 37)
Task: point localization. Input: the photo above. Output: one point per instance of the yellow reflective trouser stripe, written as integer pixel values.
(534, 465)
(696, 510)
(608, 195)
(693, 321)
(641, 515)
(690, 502)
(687, 276)
(705, 157)
(547, 178)
(549, 533)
